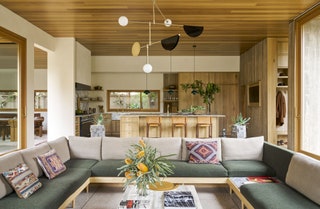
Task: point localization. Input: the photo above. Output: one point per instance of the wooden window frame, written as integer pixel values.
(109, 92)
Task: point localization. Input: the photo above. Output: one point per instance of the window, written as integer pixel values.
(40, 100)
(308, 80)
(133, 101)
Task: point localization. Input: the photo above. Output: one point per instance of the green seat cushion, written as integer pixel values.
(243, 168)
(80, 163)
(52, 193)
(107, 168)
(185, 169)
(275, 196)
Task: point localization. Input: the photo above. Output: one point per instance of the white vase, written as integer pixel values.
(97, 131)
(239, 131)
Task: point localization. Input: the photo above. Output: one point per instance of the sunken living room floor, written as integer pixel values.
(108, 196)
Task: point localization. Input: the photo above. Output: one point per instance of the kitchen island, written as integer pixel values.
(133, 125)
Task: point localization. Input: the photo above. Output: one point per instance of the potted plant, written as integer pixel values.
(98, 129)
(198, 110)
(205, 90)
(239, 127)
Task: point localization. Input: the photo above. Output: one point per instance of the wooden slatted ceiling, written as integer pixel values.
(230, 26)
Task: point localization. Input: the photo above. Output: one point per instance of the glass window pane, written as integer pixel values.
(133, 100)
(311, 86)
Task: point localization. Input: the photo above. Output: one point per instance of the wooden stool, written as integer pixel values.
(204, 122)
(179, 122)
(153, 122)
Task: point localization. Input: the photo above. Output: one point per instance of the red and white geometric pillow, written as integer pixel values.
(203, 152)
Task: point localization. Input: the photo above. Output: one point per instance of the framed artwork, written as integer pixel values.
(254, 94)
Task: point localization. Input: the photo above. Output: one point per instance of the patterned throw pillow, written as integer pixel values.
(23, 181)
(51, 164)
(202, 152)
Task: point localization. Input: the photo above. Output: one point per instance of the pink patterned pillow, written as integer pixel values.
(51, 164)
(202, 152)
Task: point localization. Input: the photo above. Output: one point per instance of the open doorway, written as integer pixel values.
(40, 96)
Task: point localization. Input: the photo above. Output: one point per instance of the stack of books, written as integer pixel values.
(178, 200)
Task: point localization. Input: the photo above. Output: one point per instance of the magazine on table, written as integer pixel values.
(178, 200)
(134, 204)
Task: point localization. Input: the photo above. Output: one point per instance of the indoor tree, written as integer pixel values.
(205, 90)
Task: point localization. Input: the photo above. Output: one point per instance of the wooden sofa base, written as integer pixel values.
(71, 198)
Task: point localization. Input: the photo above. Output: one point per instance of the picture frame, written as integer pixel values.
(254, 94)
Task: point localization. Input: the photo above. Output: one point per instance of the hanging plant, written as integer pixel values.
(205, 90)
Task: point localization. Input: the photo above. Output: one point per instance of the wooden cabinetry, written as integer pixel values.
(226, 102)
(77, 126)
(170, 93)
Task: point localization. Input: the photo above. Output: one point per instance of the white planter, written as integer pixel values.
(97, 131)
(239, 131)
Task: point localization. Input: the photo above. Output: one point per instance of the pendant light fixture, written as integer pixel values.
(167, 43)
(194, 91)
(146, 91)
(170, 90)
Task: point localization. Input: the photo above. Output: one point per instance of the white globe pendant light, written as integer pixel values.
(147, 68)
(123, 21)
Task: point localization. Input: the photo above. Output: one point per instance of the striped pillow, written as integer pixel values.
(23, 181)
(51, 164)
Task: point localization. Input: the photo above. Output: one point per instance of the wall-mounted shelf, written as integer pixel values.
(170, 93)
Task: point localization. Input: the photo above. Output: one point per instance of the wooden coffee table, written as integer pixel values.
(156, 197)
(234, 185)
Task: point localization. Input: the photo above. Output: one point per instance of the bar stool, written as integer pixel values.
(204, 122)
(153, 122)
(179, 122)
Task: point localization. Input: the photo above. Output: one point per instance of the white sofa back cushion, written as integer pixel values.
(85, 147)
(166, 146)
(185, 152)
(8, 162)
(116, 148)
(303, 176)
(30, 157)
(62, 148)
(242, 149)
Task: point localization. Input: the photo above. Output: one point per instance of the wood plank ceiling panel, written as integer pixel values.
(230, 26)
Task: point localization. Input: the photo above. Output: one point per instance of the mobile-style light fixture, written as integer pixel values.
(167, 43)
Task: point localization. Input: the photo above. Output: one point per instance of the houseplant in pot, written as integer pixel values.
(239, 127)
(205, 90)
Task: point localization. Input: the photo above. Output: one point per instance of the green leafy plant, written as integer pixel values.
(144, 166)
(205, 90)
(240, 120)
(99, 119)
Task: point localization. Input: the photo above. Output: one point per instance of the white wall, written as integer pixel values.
(40, 79)
(83, 65)
(61, 74)
(162, 63)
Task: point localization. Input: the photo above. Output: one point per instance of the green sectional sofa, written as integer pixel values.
(95, 160)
